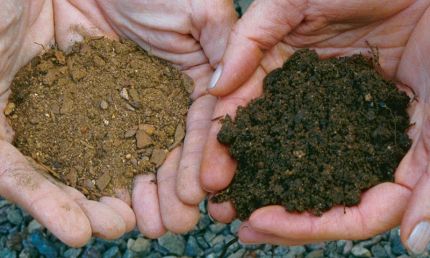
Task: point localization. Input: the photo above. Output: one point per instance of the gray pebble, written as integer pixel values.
(396, 244)
(173, 243)
(112, 252)
(204, 222)
(140, 245)
(378, 251)
(297, 250)
(202, 242)
(192, 248)
(281, 250)
(316, 246)
(217, 227)
(217, 239)
(360, 251)
(14, 216)
(4, 203)
(202, 207)
(371, 242)
(238, 254)
(316, 254)
(72, 253)
(7, 253)
(129, 254)
(34, 225)
(347, 247)
(234, 226)
(209, 235)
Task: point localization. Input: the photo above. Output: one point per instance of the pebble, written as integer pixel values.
(234, 226)
(141, 245)
(316, 254)
(396, 244)
(142, 139)
(217, 227)
(347, 247)
(112, 252)
(14, 216)
(238, 254)
(103, 181)
(192, 248)
(360, 251)
(282, 250)
(10, 107)
(44, 246)
(130, 133)
(4, 203)
(91, 252)
(104, 105)
(124, 94)
(378, 251)
(33, 225)
(7, 253)
(147, 128)
(173, 243)
(72, 253)
(158, 156)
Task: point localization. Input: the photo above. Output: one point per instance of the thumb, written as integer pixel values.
(261, 28)
(415, 227)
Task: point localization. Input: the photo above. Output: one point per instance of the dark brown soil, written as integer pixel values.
(324, 131)
(100, 115)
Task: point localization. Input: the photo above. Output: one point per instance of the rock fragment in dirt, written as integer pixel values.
(124, 94)
(103, 181)
(10, 107)
(104, 105)
(130, 133)
(72, 177)
(158, 156)
(142, 139)
(179, 135)
(149, 129)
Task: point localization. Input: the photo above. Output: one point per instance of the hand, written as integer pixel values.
(183, 36)
(268, 33)
(24, 26)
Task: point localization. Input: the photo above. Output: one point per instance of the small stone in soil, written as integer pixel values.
(130, 133)
(158, 156)
(10, 107)
(104, 105)
(103, 181)
(149, 129)
(142, 139)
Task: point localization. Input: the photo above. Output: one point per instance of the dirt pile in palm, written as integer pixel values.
(323, 131)
(100, 115)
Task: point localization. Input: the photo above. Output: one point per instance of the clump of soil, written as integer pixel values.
(99, 115)
(324, 131)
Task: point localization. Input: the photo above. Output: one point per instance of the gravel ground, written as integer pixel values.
(21, 236)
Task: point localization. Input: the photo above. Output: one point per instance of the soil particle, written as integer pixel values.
(79, 113)
(323, 132)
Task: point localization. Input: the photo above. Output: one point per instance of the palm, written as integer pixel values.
(334, 33)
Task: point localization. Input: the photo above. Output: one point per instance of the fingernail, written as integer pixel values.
(216, 76)
(420, 237)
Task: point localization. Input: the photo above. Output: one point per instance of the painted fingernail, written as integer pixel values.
(420, 237)
(216, 76)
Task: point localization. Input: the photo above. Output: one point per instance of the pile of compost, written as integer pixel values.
(99, 115)
(322, 133)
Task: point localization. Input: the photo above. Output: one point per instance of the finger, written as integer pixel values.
(123, 209)
(248, 235)
(47, 203)
(359, 222)
(217, 169)
(146, 206)
(263, 25)
(105, 222)
(415, 227)
(177, 216)
(188, 185)
(223, 212)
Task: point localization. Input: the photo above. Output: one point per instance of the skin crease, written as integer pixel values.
(181, 32)
(333, 28)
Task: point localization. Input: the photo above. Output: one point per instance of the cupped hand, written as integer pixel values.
(190, 34)
(268, 33)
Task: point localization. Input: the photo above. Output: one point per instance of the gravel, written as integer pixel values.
(23, 237)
